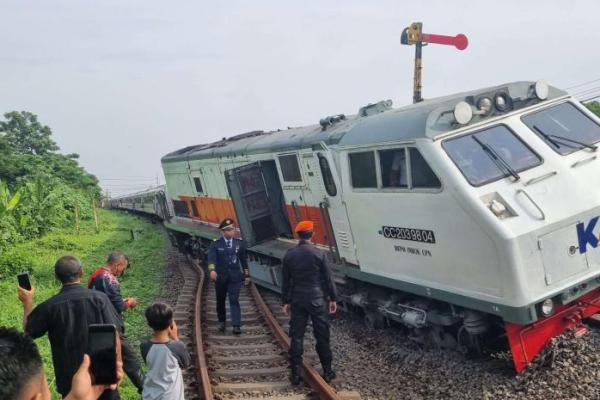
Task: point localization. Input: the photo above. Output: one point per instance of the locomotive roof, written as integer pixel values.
(375, 123)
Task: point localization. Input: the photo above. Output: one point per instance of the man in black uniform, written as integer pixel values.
(309, 289)
(228, 266)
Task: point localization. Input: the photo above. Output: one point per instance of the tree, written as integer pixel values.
(39, 187)
(27, 152)
(26, 135)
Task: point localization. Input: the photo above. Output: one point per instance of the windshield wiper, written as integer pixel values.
(547, 137)
(552, 139)
(499, 161)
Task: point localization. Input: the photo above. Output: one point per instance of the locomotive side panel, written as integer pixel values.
(410, 235)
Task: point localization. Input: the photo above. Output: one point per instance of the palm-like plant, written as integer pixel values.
(8, 202)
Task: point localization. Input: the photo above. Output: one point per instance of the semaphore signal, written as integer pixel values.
(414, 35)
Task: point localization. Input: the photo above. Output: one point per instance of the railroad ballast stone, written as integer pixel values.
(385, 364)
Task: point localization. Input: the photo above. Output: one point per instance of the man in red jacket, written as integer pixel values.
(105, 280)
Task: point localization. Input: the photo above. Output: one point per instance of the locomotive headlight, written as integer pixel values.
(540, 89)
(547, 307)
(463, 113)
(484, 106)
(501, 102)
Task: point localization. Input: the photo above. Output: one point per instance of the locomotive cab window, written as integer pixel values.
(394, 170)
(198, 185)
(290, 170)
(327, 176)
(564, 128)
(422, 175)
(362, 169)
(490, 154)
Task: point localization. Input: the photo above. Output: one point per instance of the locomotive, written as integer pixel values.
(469, 219)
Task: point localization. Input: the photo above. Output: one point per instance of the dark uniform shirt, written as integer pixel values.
(65, 317)
(104, 281)
(306, 274)
(230, 262)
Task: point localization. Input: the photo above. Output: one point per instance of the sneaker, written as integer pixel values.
(237, 330)
(222, 327)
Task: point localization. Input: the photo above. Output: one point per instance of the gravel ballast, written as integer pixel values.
(384, 364)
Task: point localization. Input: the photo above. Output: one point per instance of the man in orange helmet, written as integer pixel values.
(309, 291)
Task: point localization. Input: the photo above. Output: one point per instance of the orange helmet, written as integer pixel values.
(304, 226)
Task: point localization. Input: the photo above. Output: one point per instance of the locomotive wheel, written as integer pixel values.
(468, 344)
(374, 320)
(442, 339)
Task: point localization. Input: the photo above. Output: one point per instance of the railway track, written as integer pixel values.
(252, 365)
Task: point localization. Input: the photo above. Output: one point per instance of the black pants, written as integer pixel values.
(227, 288)
(316, 309)
(131, 367)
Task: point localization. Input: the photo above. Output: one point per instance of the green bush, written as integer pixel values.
(45, 204)
(9, 233)
(59, 243)
(13, 262)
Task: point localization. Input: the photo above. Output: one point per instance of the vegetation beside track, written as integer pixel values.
(41, 190)
(143, 280)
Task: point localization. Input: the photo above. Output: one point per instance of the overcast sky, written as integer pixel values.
(124, 82)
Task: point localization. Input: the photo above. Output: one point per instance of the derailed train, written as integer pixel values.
(468, 218)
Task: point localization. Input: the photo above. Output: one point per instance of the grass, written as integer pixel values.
(148, 260)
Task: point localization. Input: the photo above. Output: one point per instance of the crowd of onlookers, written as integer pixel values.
(68, 318)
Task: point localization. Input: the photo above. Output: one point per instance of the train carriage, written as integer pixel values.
(466, 218)
(151, 202)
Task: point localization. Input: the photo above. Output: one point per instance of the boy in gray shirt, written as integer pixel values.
(165, 356)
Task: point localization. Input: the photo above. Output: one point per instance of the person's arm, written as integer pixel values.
(35, 320)
(82, 387)
(243, 256)
(109, 314)
(181, 354)
(26, 298)
(113, 291)
(286, 285)
(211, 259)
(327, 278)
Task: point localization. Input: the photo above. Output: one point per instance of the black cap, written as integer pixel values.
(226, 223)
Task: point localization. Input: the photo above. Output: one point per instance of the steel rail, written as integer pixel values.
(311, 376)
(205, 389)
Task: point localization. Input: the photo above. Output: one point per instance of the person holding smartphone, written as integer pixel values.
(106, 280)
(65, 317)
(165, 356)
(23, 377)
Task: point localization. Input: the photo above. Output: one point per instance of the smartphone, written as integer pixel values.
(102, 349)
(24, 281)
